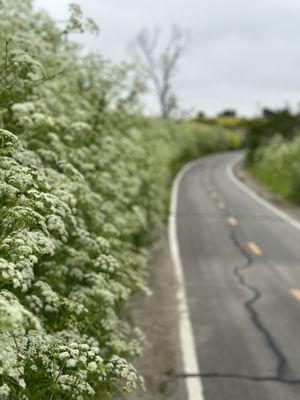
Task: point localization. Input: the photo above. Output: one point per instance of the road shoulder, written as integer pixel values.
(157, 316)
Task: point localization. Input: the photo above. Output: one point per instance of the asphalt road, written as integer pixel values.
(241, 266)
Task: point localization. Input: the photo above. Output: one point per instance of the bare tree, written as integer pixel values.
(160, 64)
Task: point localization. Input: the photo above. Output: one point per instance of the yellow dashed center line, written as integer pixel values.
(232, 221)
(221, 205)
(254, 248)
(295, 293)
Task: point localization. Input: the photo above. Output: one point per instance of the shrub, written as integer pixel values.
(278, 166)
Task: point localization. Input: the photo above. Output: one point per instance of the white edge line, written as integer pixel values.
(285, 217)
(187, 341)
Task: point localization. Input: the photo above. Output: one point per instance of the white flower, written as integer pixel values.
(71, 363)
(4, 391)
(92, 366)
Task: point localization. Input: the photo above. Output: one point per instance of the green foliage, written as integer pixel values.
(273, 152)
(273, 123)
(278, 166)
(83, 184)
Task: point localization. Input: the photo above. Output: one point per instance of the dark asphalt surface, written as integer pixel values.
(246, 322)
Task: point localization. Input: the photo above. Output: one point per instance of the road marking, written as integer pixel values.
(221, 205)
(232, 221)
(295, 293)
(254, 248)
(285, 217)
(187, 341)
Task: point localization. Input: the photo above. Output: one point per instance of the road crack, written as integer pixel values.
(282, 363)
(282, 367)
(216, 375)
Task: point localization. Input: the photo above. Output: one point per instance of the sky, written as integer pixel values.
(242, 54)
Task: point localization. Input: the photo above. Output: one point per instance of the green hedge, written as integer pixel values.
(84, 182)
(277, 165)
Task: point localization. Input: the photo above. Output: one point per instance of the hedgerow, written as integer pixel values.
(277, 164)
(83, 186)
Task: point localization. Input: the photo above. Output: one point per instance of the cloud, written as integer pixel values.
(241, 52)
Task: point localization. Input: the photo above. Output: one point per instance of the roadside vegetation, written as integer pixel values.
(84, 183)
(273, 156)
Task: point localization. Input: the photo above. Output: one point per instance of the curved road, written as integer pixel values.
(241, 267)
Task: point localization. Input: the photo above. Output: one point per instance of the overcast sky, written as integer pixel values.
(242, 53)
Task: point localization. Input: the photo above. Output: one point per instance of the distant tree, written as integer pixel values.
(159, 63)
(281, 113)
(267, 112)
(228, 113)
